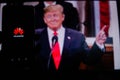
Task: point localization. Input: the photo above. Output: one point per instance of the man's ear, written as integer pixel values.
(44, 19)
(63, 17)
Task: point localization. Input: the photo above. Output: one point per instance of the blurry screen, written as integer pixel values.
(14, 19)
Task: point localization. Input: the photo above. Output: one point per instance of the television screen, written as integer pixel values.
(17, 25)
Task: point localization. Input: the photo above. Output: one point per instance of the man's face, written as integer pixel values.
(54, 19)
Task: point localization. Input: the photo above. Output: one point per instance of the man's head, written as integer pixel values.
(53, 16)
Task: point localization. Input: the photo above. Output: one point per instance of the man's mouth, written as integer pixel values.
(53, 23)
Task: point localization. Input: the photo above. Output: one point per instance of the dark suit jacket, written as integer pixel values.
(75, 50)
(71, 15)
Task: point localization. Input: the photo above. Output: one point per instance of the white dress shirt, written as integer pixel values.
(61, 35)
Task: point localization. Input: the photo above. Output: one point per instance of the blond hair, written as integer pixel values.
(51, 8)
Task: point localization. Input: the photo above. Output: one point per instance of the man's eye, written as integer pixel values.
(49, 16)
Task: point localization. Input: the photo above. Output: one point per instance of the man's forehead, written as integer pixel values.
(54, 12)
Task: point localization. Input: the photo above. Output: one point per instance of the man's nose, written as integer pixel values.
(52, 18)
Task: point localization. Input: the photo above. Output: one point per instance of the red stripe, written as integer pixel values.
(104, 15)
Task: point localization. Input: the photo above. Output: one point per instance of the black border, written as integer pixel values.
(103, 75)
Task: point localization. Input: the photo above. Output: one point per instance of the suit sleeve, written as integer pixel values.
(91, 55)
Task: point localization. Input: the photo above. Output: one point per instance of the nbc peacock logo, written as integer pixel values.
(18, 32)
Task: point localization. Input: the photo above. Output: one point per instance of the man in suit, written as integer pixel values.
(71, 14)
(73, 48)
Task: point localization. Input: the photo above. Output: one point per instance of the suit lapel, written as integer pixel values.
(45, 42)
(67, 42)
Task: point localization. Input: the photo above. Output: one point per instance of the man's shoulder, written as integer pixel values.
(38, 33)
(39, 30)
(76, 35)
(75, 32)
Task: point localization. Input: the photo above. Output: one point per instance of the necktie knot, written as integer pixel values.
(54, 39)
(55, 33)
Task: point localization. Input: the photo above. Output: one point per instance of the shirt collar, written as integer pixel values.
(50, 31)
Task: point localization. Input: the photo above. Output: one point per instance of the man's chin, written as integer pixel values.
(55, 28)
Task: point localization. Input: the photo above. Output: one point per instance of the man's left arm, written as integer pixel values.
(97, 49)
